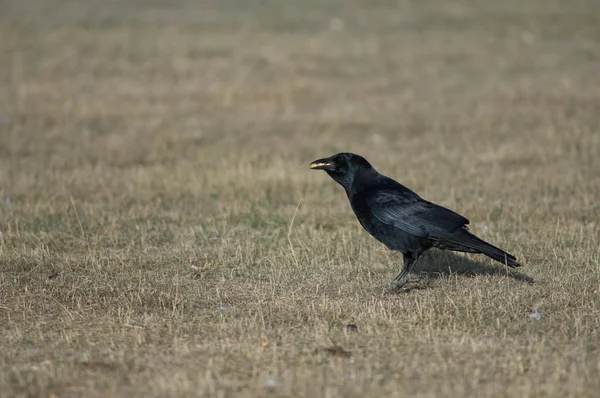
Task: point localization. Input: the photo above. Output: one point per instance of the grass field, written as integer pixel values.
(162, 235)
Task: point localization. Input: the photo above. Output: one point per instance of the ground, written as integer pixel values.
(162, 235)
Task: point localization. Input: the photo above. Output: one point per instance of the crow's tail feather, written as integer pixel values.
(464, 241)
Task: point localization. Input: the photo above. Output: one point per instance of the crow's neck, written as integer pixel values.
(363, 180)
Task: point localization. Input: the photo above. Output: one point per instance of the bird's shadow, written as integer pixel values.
(437, 264)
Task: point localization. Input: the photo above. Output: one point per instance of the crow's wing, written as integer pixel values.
(414, 215)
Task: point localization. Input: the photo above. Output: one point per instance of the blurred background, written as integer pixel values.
(93, 89)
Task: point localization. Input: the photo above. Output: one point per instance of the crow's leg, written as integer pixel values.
(410, 260)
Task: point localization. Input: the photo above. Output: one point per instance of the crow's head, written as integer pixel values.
(342, 167)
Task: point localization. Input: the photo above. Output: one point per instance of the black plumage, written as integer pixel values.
(401, 219)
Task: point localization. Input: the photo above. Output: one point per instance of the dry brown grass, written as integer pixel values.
(161, 234)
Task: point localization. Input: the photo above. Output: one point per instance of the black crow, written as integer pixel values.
(401, 219)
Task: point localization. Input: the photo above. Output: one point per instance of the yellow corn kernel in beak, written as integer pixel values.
(315, 165)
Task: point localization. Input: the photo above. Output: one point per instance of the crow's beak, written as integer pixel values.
(323, 164)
